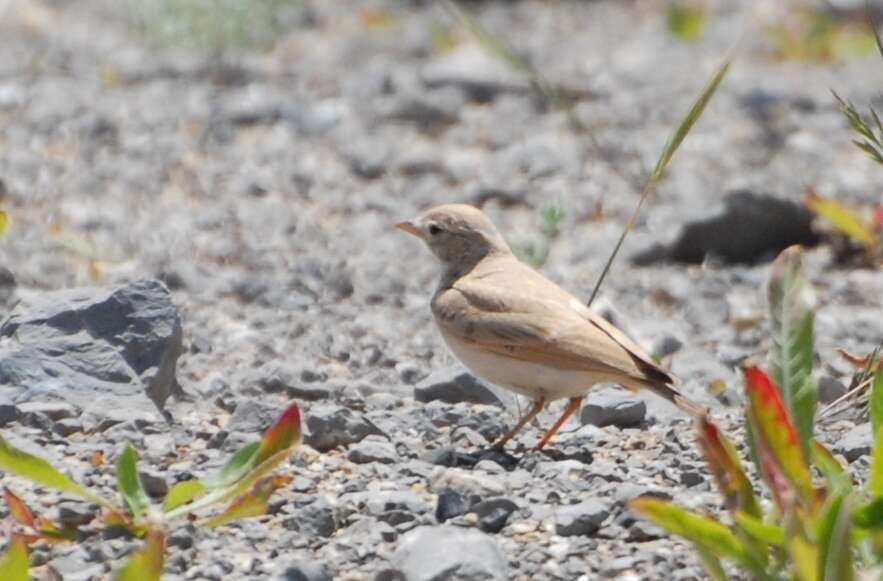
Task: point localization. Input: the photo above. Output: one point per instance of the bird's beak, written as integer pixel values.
(410, 228)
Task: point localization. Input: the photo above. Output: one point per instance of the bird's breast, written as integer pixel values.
(523, 377)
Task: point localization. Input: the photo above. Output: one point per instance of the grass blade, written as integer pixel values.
(875, 480)
(40, 471)
(4, 222)
(667, 153)
(14, 566)
(129, 483)
(791, 304)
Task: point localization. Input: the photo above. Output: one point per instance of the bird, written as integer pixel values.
(513, 327)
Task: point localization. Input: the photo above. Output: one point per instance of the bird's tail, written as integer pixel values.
(668, 392)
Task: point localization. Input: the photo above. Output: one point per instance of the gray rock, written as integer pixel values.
(252, 415)
(453, 385)
(95, 348)
(473, 70)
(9, 413)
(298, 383)
(580, 519)
(830, 389)
(54, 410)
(317, 519)
(373, 449)
(330, 426)
(457, 554)
(613, 408)
(855, 443)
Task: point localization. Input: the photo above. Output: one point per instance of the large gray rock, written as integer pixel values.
(446, 553)
(454, 385)
(100, 349)
(330, 426)
(580, 519)
(608, 407)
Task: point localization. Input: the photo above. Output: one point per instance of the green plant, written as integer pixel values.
(211, 24)
(536, 252)
(686, 20)
(246, 481)
(817, 34)
(820, 526)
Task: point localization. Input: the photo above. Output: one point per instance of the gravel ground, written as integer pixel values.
(261, 190)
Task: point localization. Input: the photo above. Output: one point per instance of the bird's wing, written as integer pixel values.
(517, 313)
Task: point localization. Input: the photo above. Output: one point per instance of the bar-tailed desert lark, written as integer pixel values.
(515, 328)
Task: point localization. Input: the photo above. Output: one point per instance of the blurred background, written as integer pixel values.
(254, 154)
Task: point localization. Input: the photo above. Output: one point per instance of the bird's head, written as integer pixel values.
(458, 234)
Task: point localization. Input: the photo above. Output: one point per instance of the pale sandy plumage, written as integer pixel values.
(513, 327)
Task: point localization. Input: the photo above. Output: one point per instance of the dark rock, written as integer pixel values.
(331, 426)
(449, 505)
(454, 385)
(154, 484)
(580, 519)
(855, 443)
(373, 449)
(316, 519)
(95, 348)
(68, 426)
(613, 408)
(450, 457)
(7, 284)
(305, 569)
(493, 513)
(752, 227)
(457, 553)
(691, 478)
(54, 410)
(76, 513)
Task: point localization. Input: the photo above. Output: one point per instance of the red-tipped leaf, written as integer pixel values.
(283, 435)
(726, 467)
(18, 509)
(783, 463)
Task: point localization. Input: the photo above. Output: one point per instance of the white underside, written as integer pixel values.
(530, 379)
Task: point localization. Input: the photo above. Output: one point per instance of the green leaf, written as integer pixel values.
(235, 468)
(39, 471)
(253, 503)
(784, 466)
(129, 483)
(14, 566)
(870, 515)
(839, 480)
(842, 219)
(705, 532)
(667, 153)
(835, 556)
(791, 302)
(765, 533)
(148, 563)
(712, 565)
(182, 493)
(4, 222)
(875, 480)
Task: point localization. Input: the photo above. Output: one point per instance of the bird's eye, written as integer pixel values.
(434, 230)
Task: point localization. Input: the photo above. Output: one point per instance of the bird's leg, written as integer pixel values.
(572, 406)
(538, 405)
